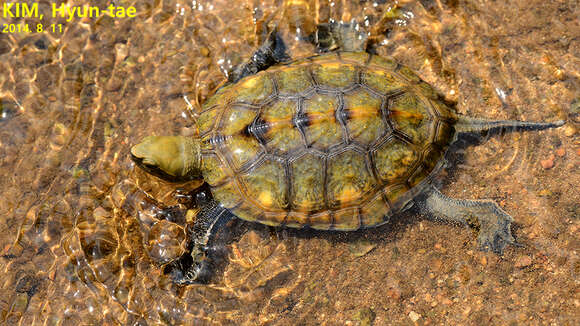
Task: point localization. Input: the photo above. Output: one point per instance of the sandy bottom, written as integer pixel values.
(72, 102)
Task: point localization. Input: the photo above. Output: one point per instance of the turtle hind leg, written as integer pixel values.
(195, 266)
(485, 217)
(270, 53)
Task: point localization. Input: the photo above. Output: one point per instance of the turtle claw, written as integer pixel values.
(184, 197)
(189, 269)
(495, 243)
(494, 232)
(198, 273)
(493, 227)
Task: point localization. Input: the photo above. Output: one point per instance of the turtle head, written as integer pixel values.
(172, 158)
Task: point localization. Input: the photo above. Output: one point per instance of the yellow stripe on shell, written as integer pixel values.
(407, 115)
(362, 112)
(348, 195)
(265, 198)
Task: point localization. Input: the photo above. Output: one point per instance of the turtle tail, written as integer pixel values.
(467, 125)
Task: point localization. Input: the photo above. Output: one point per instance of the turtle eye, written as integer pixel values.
(202, 197)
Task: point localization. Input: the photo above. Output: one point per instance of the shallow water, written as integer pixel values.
(72, 102)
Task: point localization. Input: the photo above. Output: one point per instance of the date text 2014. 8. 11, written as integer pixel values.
(30, 28)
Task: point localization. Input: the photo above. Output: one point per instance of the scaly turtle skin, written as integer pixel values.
(340, 141)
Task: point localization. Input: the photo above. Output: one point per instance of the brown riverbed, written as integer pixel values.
(72, 102)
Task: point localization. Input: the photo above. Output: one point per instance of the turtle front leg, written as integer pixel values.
(485, 217)
(195, 265)
(270, 53)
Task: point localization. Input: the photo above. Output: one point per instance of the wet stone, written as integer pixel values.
(414, 316)
(548, 163)
(20, 303)
(569, 130)
(361, 247)
(27, 284)
(523, 261)
(8, 109)
(365, 316)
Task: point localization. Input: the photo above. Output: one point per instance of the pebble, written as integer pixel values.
(361, 247)
(121, 52)
(548, 163)
(414, 316)
(394, 294)
(100, 213)
(467, 311)
(569, 131)
(428, 297)
(204, 51)
(545, 193)
(523, 261)
(483, 261)
(561, 152)
(365, 317)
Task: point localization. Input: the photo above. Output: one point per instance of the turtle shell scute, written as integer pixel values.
(338, 141)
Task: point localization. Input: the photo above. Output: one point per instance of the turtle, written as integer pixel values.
(342, 141)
